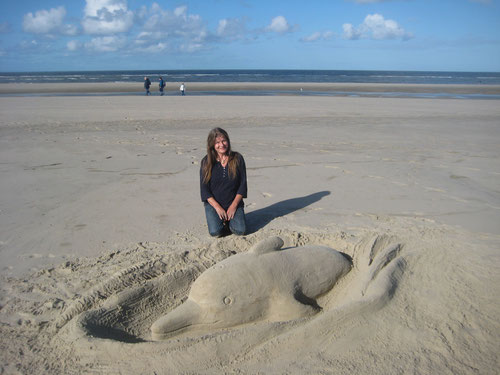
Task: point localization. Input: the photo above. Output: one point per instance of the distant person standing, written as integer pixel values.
(147, 85)
(162, 85)
(182, 88)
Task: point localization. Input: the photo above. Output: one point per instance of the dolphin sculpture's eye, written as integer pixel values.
(227, 300)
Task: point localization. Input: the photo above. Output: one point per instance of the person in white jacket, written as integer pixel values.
(182, 88)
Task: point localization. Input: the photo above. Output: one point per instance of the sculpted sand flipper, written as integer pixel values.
(265, 283)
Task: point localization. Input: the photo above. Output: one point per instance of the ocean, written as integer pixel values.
(292, 76)
(331, 76)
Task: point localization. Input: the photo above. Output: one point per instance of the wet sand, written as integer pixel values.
(173, 87)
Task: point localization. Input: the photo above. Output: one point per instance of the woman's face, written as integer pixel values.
(221, 145)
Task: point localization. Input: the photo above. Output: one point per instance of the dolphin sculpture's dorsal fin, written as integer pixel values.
(266, 246)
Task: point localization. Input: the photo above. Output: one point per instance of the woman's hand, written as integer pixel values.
(231, 211)
(218, 208)
(222, 214)
(234, 206)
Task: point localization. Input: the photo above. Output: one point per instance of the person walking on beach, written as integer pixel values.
(162, 85)
(182, 88)
(147, 85)
(223, 185)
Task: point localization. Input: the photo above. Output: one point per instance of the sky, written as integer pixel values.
(422, 35)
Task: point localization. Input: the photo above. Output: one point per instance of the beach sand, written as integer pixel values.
(103, 231)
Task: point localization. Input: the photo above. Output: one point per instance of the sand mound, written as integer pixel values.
(406, 290)
(152, 289)
(151, 279)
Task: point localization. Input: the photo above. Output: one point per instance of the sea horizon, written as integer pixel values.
(256, 75)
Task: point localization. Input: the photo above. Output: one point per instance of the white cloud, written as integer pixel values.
(222, 28)
(48, 22)
(105, 44)
(107, 17)
(180, 11)
(175, 23)
(94, 7)
(147, 41)
(279, 25)
(44, 21)
(375, 26)
(350, 32)
(191, 47)
(73, 45)
(312, 38)
(29, 44)
(152, 48)
(69, 29)
(175, 28)
(318, 36)
(162, 30)
(145, 35)
(384, 29)
(231, 28)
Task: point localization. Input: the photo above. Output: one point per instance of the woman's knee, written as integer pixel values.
(215, 228)
(238, 225)
(238, 232)
(215, 233)
(238, 229)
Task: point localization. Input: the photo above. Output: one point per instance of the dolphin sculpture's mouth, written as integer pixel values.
(183, 318)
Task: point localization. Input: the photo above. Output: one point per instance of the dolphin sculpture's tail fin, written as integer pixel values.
(266, 246)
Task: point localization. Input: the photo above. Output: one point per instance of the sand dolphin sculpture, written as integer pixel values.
(265, 283)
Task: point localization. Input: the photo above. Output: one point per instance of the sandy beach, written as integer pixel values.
(102, 230)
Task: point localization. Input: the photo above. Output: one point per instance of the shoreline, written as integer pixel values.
(251, 88)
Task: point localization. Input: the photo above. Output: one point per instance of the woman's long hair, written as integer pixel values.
(211, 158)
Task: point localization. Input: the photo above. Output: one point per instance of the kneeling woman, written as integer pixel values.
(223, 185)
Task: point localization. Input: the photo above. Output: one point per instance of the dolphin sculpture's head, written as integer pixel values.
(212, 303)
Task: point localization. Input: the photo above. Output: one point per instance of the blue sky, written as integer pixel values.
(51, 35)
